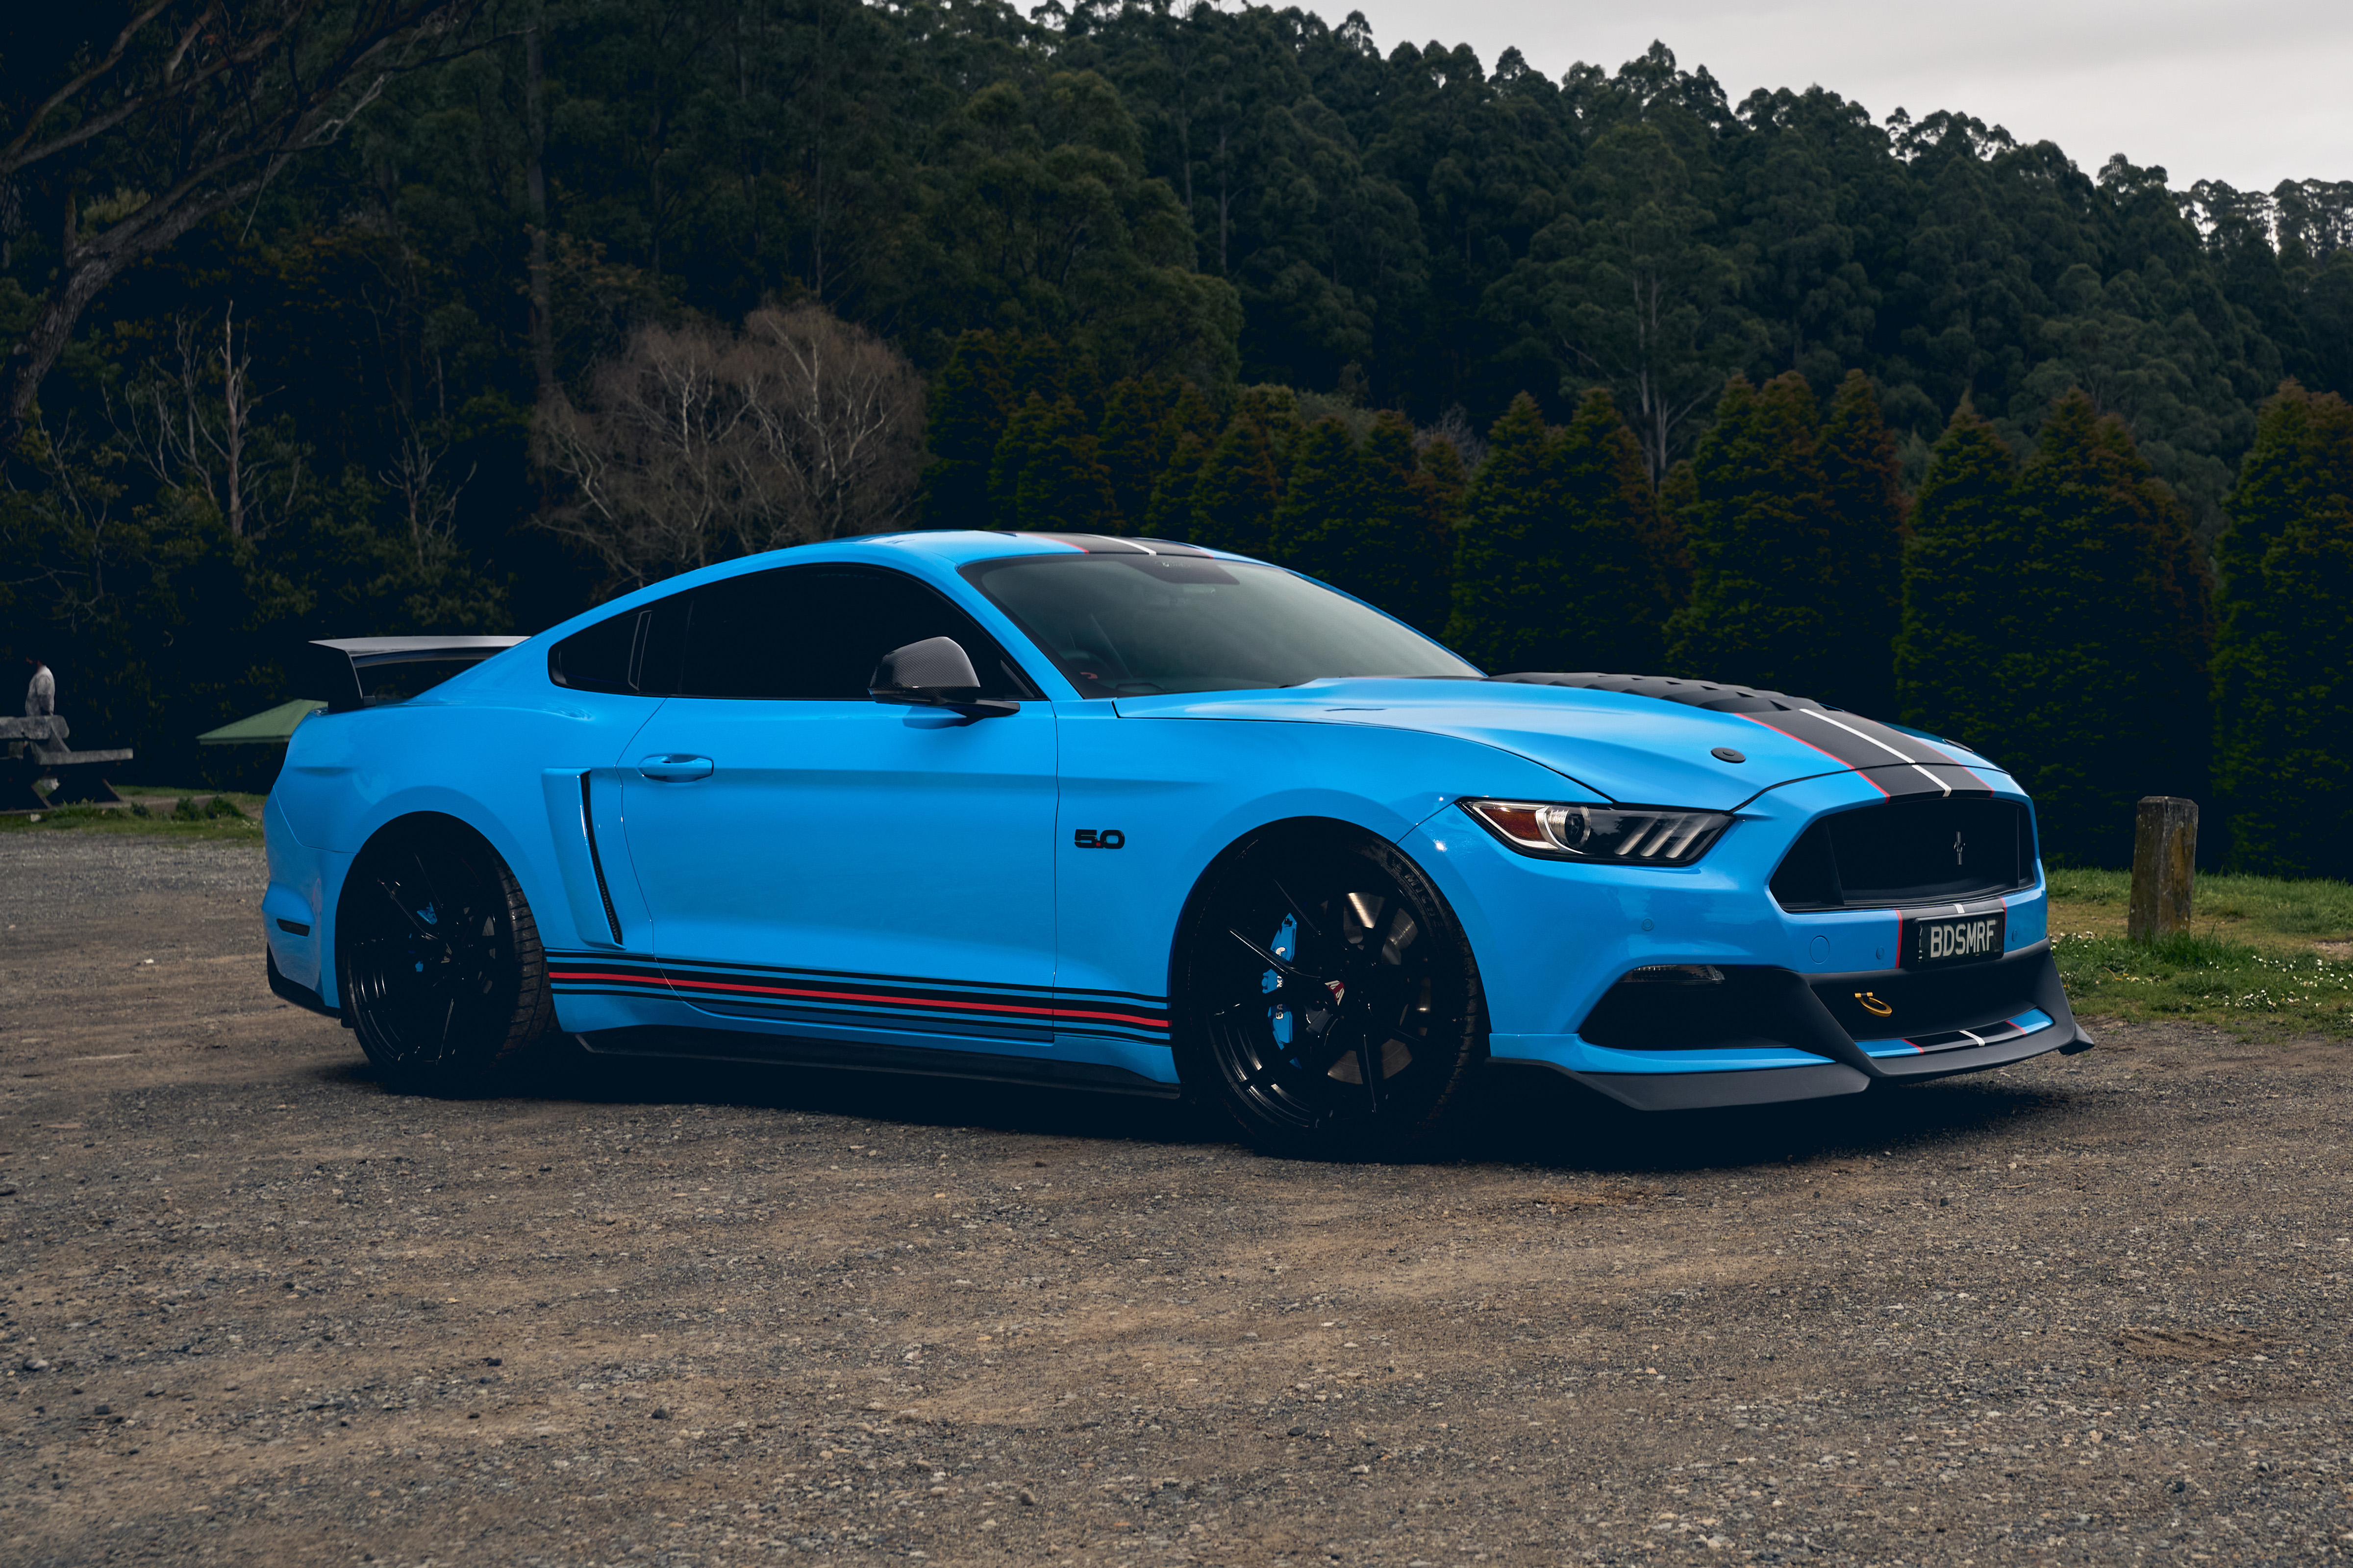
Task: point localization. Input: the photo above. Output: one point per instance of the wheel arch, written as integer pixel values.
(418, 815)
(488, 923)
(1293, 829)
(1205, 1036)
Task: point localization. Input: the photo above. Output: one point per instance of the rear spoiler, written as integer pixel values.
(362, 672)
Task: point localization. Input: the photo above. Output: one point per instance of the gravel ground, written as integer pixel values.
(259, 1311)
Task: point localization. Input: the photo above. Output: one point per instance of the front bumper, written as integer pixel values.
(286, 990)
(1785, 1036)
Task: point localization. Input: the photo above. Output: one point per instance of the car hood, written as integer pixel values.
(1619, 745)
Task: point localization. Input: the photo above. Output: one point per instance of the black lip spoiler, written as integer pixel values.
(362, 672)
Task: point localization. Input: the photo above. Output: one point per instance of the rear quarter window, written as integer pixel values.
(602, 658)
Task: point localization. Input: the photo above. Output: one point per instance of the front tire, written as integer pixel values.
(1327, 997)
(440, 969)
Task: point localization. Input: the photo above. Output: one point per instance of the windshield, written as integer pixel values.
(1127, 625)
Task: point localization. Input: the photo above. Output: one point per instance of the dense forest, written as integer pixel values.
(383, 315)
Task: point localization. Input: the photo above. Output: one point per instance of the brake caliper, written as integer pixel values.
(1285, 946)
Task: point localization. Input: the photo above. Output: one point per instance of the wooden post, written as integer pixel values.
(2165, 866)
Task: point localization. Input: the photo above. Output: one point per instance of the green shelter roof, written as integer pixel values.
(269, 726)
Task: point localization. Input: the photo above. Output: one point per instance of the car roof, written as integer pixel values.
(960, 547)
(947, 548)
(942, 549)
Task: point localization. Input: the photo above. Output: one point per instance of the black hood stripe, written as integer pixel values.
(1891, 761)
(1834, 755)
(1894, 762)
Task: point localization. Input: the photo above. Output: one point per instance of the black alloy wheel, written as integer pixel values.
(442, 976)
(1328, 1000)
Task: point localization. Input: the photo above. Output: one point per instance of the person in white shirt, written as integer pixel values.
(41, 694)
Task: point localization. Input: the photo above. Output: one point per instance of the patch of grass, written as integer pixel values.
(2263, 910)
(2265, 955)
(222, 816)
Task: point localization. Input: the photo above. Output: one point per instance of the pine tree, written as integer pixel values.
(1448, 481)
(1062, 488)
(1169, 515)
(1315, 527)
(1677, 500)
(1759, 536)
(1275, 410)
(1958, 663)
(1023, 434)
(1507, 559)
(2284, 655)
(1193, 413)
(1612, 587)
(1864, 591)
(1036, 364)
(1442, 485)
(1399, 550)
(971, 400)
(1139, 431)
(2113, 615)
(1235, 496)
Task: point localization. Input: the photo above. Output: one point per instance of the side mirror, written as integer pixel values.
(934, 673)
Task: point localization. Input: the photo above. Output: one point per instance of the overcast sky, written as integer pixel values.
(2249, 91)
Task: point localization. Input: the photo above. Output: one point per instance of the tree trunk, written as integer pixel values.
(543, 331)
(41, 342)
(88, 269)
(235, 410)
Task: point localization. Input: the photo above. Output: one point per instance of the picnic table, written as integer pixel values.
(38, 749)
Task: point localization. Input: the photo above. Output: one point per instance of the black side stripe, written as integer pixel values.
(596, 861)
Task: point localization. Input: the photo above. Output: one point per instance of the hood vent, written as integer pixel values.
(1707, 694)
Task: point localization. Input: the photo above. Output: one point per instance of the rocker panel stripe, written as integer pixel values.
(824, 992)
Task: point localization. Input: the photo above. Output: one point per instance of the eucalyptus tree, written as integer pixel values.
(185, 109)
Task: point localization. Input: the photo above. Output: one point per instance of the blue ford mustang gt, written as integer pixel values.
(1135, 815)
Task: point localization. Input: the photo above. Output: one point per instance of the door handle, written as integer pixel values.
(676, 767)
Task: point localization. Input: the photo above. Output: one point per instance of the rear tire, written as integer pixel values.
(438, 961)
(1327, 998)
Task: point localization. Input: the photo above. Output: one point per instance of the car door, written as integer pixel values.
(846, 869)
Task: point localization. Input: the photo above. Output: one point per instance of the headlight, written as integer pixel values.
(1615, 835)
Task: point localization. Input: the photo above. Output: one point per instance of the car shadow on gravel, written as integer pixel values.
(1539, 1118)
(1512, 1116)
(910, 1098)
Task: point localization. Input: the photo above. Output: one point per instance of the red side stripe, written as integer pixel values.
(866, 996)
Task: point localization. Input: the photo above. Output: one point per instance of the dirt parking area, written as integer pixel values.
(258, 1310)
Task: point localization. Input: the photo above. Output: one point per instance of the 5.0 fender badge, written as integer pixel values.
(1099, 838)
(1873, 1005)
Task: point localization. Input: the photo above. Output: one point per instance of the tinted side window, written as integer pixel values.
(603, 658)
(814, 634)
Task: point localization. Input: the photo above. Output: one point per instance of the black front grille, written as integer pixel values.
(1911, 850)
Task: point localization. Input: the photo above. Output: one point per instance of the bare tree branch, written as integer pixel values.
(699, 445)
(211, 115)
(9, 161)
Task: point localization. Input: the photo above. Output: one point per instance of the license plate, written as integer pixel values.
(1938, 942)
